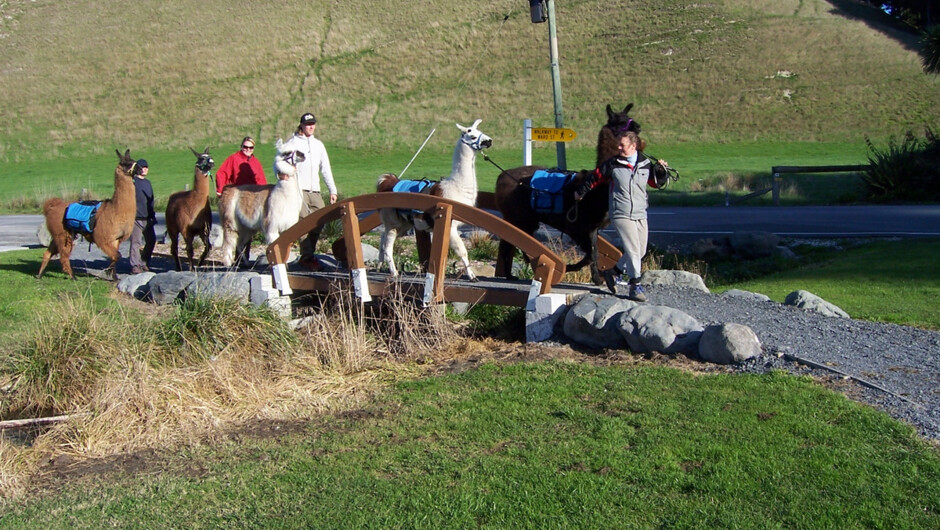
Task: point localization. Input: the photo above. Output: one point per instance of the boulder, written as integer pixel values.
(652, 328)
(166, 287)
(753, 245)
(674, 278)
(738, 293)
(593, 321)
(728, 343)
(235, 285)
(811, 302)
(136, 285)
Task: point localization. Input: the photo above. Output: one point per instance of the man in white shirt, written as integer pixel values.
(316, 163)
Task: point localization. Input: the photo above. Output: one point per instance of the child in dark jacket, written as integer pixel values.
(143, 237)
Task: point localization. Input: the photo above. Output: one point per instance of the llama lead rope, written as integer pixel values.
(490, 160)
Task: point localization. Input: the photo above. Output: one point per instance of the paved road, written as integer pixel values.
(667, 224)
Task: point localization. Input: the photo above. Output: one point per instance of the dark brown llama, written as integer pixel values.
(114, 221)
(579, 221)
(188, 213)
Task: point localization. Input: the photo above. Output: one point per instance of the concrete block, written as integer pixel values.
(540, 321)
(262, 289)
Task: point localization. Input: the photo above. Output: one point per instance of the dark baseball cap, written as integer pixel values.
(308, 119)
(142, 163)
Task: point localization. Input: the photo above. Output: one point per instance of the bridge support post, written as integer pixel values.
(440, 242)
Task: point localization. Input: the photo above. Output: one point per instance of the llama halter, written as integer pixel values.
(625, 128)
(205, 163)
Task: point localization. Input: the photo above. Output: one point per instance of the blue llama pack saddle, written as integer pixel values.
(548, 190)
(412, 186)
(80, 216)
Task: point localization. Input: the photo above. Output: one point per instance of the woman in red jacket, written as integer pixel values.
(242, 167)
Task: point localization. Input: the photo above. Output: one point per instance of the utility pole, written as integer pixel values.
(539, 13)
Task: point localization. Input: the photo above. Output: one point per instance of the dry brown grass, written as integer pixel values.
(190, 378)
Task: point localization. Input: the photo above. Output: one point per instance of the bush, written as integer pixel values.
(909, 170)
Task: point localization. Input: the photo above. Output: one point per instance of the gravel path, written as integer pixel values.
(896, 368)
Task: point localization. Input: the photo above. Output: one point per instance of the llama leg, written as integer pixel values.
(228, 246)
(504, 260)
(190, 251)
(423, 244)
(205, 248)
(387, 246)
(243, 249)
(457, 244)
(174, 250)
(50, 251)
(65, 255)
(110, 249)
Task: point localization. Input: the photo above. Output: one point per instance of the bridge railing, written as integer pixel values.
(548, 267)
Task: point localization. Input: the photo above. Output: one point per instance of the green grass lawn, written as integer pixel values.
(703, 168)
(882, 281)
(543, 445)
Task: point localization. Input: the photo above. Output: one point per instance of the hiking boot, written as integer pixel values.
(137, 270)
(637, 293)
(610, 278)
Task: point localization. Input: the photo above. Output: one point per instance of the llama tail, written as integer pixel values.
(386, 182)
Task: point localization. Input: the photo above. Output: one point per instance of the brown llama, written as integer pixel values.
(113, 221)
(188, 213)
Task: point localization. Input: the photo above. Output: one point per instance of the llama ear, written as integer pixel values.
(461, 127)
(278, 144)
(194, 152)
(626, 109)
(475, 124)
(610, 112)
(206, 152)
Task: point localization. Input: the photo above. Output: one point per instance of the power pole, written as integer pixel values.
(539, 13)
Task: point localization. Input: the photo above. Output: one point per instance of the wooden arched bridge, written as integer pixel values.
(548, 267)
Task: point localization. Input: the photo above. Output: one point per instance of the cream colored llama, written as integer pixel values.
(272, 208)
(460, 186)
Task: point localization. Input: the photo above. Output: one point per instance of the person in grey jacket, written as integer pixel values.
(627, 173)
(316, 163)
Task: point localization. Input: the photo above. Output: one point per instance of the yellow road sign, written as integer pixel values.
(548, 134)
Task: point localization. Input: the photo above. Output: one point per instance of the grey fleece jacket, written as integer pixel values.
(628, 197)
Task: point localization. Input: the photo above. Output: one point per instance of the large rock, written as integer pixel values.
(811, 302)
(752, 245)
(748, 295)
(674, 278)
(166, 287)
(728, 343)
(652, 328)
(741, 245)
(136, 285)
(236, 285)
(593, 321)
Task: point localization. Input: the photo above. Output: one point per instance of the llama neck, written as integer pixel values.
(463, 171)
(124, 192)
(201, 183)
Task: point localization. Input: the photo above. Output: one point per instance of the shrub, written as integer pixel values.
(62, 360)
(905, 170)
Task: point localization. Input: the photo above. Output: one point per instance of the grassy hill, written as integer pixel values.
(81, 78)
